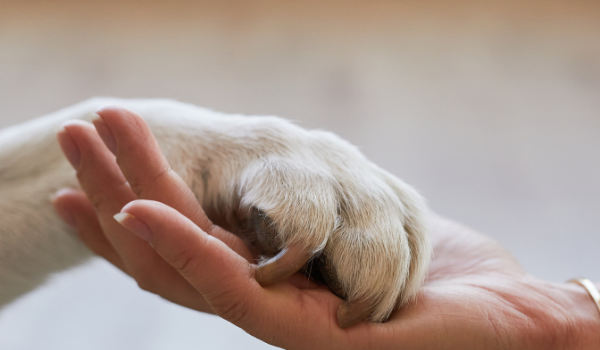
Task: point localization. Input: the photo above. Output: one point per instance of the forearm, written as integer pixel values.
(34, 242)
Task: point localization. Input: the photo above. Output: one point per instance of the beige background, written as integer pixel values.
(490, 108)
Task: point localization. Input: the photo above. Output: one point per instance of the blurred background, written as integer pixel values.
(490, 108)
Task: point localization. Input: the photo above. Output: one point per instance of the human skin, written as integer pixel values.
(476, 295)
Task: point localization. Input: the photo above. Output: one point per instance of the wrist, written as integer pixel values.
(582, 317)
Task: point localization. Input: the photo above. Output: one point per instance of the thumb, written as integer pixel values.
(224, 278)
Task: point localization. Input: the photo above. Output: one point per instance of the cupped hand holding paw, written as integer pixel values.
(475, 297)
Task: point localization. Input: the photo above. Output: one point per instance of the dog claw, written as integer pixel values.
(353, 312)
(287, 262)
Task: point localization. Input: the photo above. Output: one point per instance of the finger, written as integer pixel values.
(143, 164)
(207, 263)
(282, 314)
(108, 191)
(101, 179)
(76, 210)
(148, 172)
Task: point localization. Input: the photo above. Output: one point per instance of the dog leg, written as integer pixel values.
(308, 194)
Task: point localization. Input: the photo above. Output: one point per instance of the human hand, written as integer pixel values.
(476, 295)
(144, 173)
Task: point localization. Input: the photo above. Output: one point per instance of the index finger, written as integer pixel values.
(282, 314)
(148, 172)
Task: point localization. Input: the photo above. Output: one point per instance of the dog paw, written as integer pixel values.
(319, 204)
(313, 201)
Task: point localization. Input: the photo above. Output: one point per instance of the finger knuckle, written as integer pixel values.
(144, 280)
(99, 200)
(183, 262)
(145, 285)
(140, 185)
(146, 272)
(136, 187)
(233, 309)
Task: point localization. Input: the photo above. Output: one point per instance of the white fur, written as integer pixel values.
(319, 190)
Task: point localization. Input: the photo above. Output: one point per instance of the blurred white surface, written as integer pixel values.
(96, 307)
(490, 108)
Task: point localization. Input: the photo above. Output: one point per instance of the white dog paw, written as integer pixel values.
(311, 198)
(320, 204)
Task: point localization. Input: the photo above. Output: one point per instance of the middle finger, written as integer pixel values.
(108, 190)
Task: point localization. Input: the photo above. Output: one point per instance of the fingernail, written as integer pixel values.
(287, 262)
(65, 214)
(69, 147)
(105, 134)
(135, 225)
